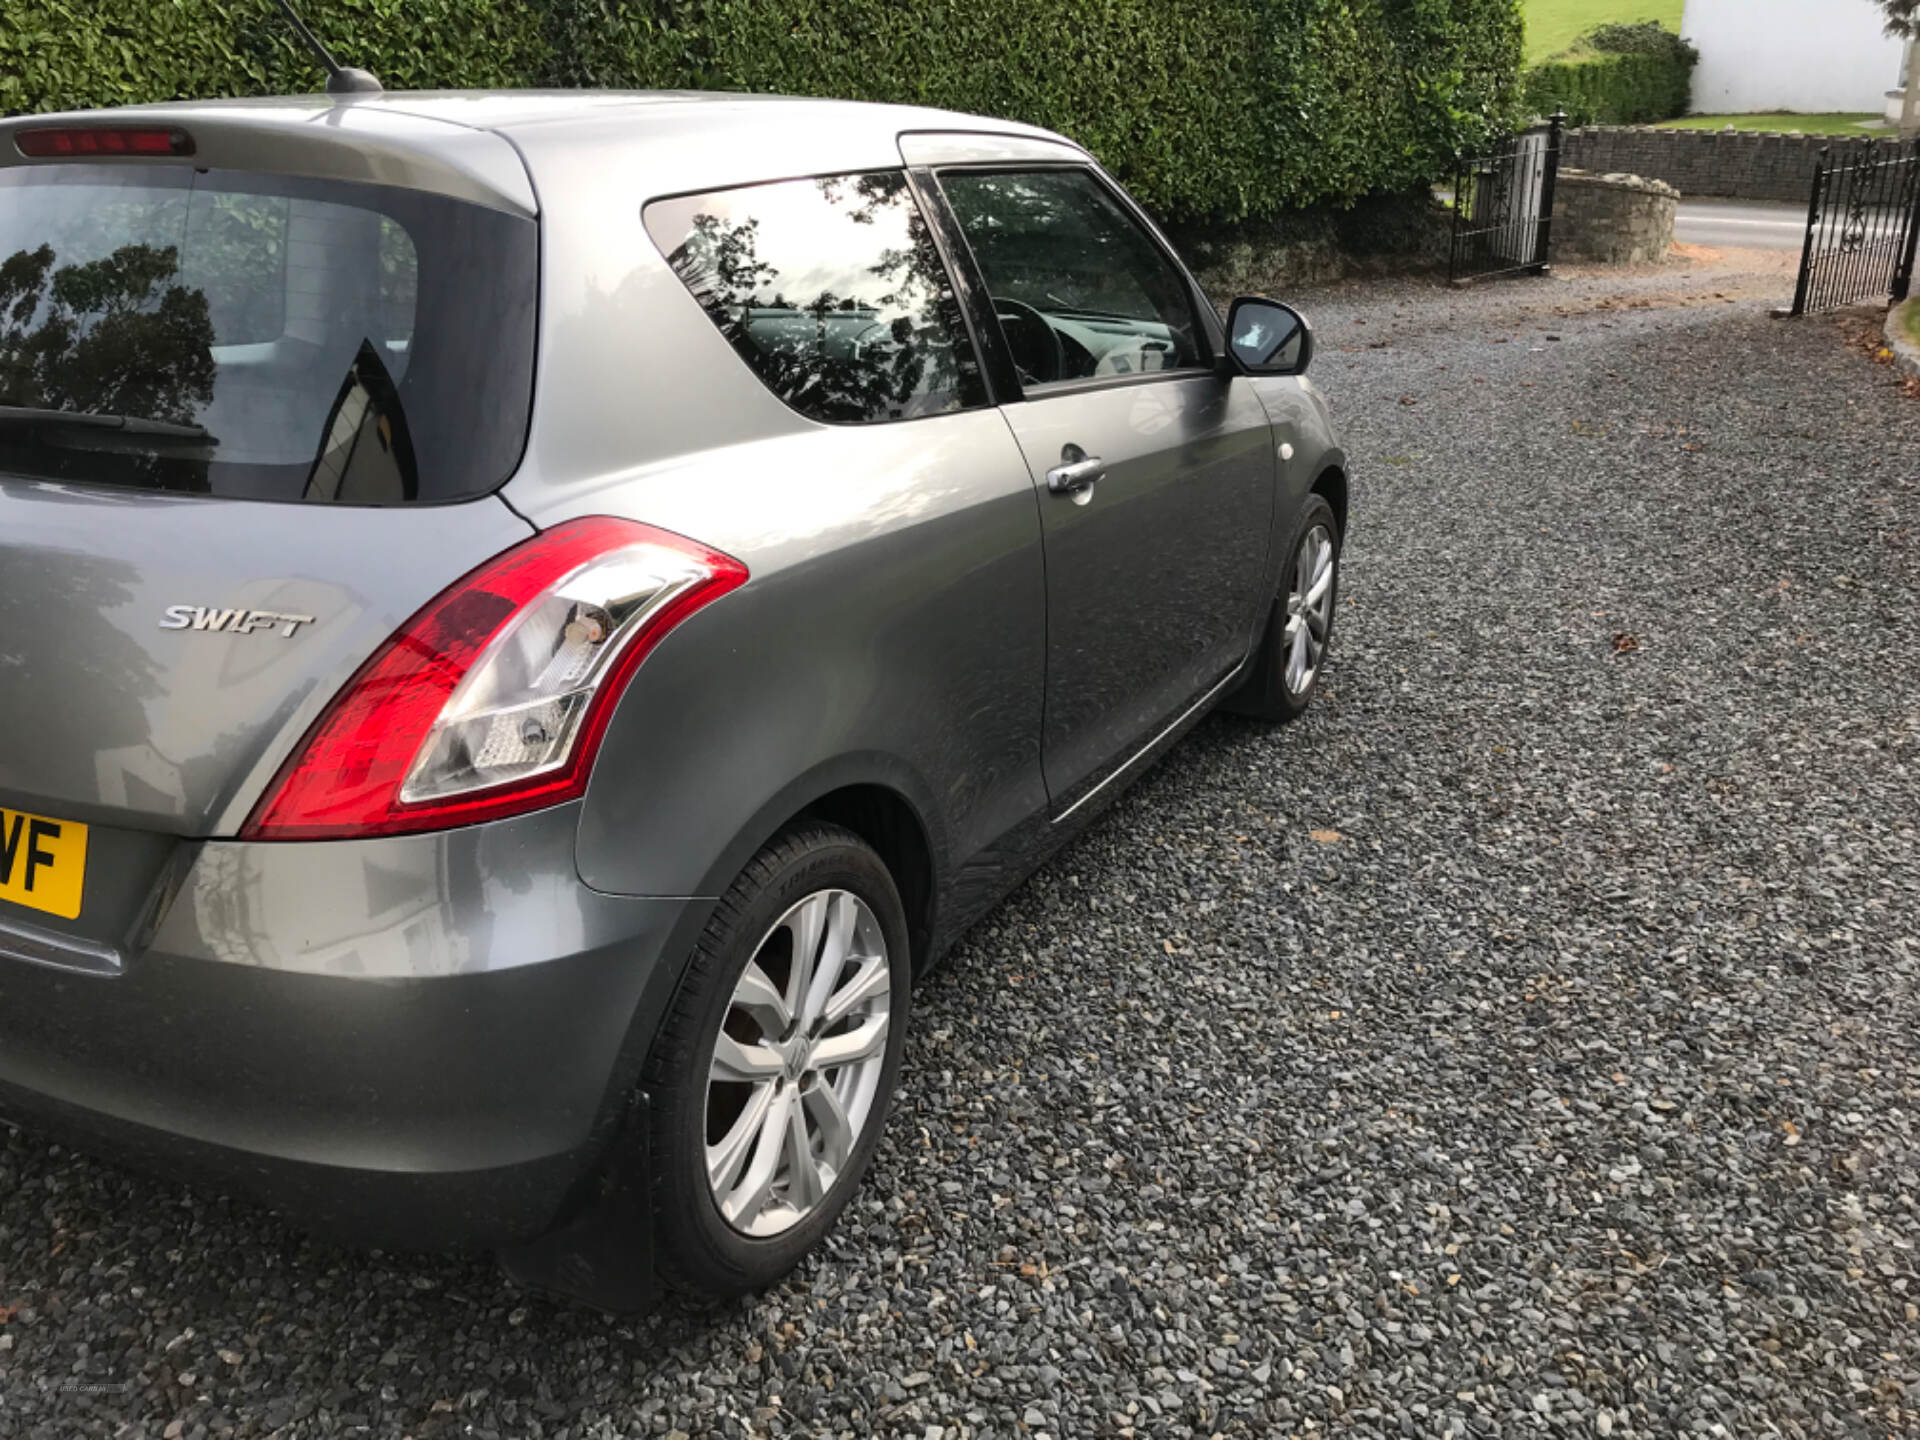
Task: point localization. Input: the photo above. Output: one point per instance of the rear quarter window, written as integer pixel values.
(831, 290)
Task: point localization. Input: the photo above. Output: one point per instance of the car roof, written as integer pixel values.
(511, 112)
(488, 145)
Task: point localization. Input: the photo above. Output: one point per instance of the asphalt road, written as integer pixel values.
(1741, 224)
(1524, 1044)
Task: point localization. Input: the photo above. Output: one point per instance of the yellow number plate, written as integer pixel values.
(42, 862)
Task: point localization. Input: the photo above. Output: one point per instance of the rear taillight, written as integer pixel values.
(84, 142)
(493, 699)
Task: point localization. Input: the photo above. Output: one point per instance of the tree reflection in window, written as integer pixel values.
(832, 290)
(114, 335)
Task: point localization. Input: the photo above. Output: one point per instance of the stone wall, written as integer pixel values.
(1738, 164)
(1378, 234)
(1616, 219)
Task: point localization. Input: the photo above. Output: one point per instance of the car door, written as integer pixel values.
(1155, 473)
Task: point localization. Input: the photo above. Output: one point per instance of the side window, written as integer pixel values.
(831, 289)
(1081, 290)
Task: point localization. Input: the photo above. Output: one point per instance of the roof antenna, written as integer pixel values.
(341, 79)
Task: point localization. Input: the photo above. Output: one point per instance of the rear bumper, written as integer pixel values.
(357, 1205)
(415, 1041)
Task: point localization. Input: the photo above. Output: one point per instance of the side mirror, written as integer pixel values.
(1265, 337)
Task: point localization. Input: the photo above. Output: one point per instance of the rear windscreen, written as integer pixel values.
(261, 337)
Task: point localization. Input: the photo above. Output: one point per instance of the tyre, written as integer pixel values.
(771, 1077)
(1293, 651)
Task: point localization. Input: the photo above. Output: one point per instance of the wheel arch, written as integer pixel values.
(1331, 484)
(885, 819)
(883, 801)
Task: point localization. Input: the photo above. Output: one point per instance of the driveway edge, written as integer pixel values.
(1906, 350)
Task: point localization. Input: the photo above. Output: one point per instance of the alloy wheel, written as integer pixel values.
(795, 1075)
(1309, 608)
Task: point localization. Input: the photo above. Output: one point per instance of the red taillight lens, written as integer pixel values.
(82, 142)
(494, 698)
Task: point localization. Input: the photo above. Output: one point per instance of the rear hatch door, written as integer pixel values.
(259, 379)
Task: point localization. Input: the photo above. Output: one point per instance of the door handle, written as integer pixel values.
(1076, 472)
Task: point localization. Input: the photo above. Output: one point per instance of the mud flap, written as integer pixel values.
(603, 1256)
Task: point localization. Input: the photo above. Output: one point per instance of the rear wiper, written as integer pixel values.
(23, 415)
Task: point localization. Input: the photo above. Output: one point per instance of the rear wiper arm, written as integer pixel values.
(23, 415)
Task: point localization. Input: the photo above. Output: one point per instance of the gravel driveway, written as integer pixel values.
(1525, 1043)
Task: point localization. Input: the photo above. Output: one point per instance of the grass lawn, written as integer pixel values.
(1553, 25)
(1805, 124)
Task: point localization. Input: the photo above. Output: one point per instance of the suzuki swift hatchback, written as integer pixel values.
(527, 620)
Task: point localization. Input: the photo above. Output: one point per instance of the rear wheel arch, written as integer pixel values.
(881, 799)
(888, 821)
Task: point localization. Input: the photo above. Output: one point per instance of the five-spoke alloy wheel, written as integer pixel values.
(770, 1080)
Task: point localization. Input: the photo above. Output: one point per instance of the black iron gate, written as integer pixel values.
(1861, 227)
(1503, 206)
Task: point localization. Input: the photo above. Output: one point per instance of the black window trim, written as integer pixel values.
(1207, 328)
(969, 286)
(935, 226)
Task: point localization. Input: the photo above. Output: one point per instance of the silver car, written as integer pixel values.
(528, 620)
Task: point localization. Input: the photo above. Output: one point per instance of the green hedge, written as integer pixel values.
(1617, 75)
(66, 54)
(1207, 108)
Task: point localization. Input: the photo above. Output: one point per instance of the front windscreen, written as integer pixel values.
(261, 337)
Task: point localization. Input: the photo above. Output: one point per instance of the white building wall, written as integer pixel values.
(1805, 55)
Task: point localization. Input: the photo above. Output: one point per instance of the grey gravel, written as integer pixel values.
(1522, 1044)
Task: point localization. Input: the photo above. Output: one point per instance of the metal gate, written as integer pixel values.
(1861, 227)
(1503, 206)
